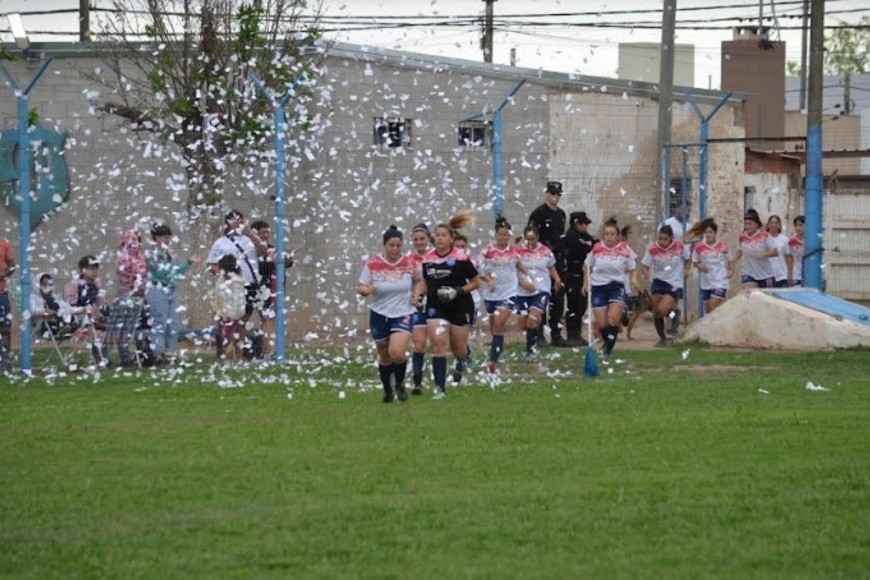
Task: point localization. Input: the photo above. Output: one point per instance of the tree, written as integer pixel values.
(847, 53)
(182, 69)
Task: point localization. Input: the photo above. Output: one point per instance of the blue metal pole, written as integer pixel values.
(813, 240)
(25, 156)
(25, 160)
(279, 228)
(497, 163)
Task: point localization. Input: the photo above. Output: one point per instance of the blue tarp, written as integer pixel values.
(827, 304)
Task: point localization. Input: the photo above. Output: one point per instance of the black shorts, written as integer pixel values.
(456, 313)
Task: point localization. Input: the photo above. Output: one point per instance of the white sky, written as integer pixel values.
(586, 50)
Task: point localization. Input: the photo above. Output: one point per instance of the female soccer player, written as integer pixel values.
(665, 263)
(606, 266)
(499, 263)
(756, 249)
(389, 278)
(780, 268)
(795, 257)
(711, 258)
(449, 278)
(421, 240)
(533, 297)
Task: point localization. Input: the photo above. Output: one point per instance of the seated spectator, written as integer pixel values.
(88, 303)
(53, 312)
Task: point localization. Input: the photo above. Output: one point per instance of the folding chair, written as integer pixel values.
(123, 324)
(43, 332)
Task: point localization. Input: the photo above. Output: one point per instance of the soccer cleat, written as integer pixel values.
(417, 390)
(401, 392)
(439, 395)
(456, 376)
(389, 397)
(531, 357)
(491, 368)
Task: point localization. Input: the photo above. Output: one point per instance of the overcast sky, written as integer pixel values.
(554, 46)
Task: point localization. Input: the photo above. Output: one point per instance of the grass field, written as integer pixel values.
(712, 464)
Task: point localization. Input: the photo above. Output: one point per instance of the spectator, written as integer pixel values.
(131, 270)
(7, 268)
(88, 302)
(229, 307)
(164, 275)
(245, 246)
(53, 312)
(266, 266)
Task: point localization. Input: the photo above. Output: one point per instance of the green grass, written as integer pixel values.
(664, 468)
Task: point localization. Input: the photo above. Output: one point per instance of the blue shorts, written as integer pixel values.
(608, 294)
(382, 327)
(506, 304)
(419, 319)
(662, 287)
(763, 283)
(5, 311)
(538, 301)
(718, 293)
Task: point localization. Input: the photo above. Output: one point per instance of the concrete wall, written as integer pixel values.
(343, 190)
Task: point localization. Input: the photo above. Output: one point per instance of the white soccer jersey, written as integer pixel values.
(667, 264)
(501, 267)
(796, 249)
(392, 282)
(538, 262)
(609, 265)
(780, 270)
(756, 268)
(715, 257)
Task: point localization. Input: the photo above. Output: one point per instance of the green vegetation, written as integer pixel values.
(718, 464)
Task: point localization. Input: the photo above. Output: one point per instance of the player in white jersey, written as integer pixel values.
(389, 279)
(606, 266)
(421, 240)
(711, 258)
(499, 264)
(795, 257)
(533, 296)
(665, 263)
(780, 268)
(756, 249)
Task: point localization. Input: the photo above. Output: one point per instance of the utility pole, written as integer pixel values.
(666, 97)
(84, 20)
(804, 28)
(487, 32)
(813, 250)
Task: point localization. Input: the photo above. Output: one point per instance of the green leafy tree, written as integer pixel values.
(847, 53)
(182, 69)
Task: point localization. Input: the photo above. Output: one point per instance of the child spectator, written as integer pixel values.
(88, 302)
(229, 306)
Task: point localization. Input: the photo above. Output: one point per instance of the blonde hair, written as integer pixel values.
(461, 219)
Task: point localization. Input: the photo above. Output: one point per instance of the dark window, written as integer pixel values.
(475, 134)
(392, 132)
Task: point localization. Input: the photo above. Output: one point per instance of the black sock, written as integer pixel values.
(531, 339)
(610, 334)
(386, 371)
(660, 327)
(399, 371)
(496, 348)
(417, 368)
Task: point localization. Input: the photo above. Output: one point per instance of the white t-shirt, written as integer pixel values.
(715, 258)
(229, 245)
(538, 262)
(229, 297)
(667, 264)
(677, 226)
(609, 265)
(393, 283)
(501, 267)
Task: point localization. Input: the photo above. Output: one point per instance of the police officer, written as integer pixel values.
(549, 219)
(575, 245)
